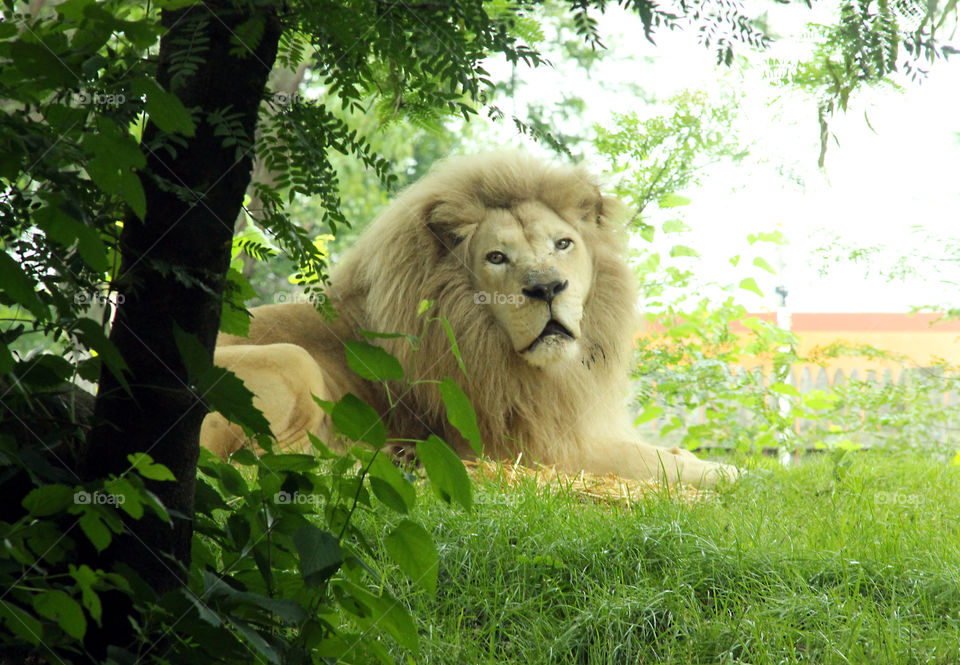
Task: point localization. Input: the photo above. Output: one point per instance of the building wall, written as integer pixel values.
(916, 336)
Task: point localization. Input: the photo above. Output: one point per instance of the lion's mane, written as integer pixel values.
(417, 250)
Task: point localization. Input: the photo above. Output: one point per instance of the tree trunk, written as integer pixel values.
(172, 270)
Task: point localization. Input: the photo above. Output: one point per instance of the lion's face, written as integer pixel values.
(533, 270)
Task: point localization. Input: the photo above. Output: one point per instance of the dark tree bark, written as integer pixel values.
(172, 271)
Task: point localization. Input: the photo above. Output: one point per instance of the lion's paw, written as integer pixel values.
(717, 472)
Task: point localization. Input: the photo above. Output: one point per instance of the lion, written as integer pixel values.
(526, 261)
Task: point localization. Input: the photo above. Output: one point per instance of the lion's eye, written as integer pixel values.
(496, 258)
(564, 243)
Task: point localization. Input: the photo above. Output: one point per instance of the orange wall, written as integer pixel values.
(913, 335)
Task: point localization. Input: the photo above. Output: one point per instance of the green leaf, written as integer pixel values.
(59, 607)
(784, 389)
(820, 399)
(85, 579)
(650, 412)
(234, 317)
(226, 393)
(319, 447)
(673, 201)
(446, 472)
(287, 611)
(243, 457)
(454, 347)
(274, 462)
(20, 623)
(754, 323)
(413, 549)
(48, 499)
(91, 334)
(674, 226)
(683, 250)
(384, 611)
(65, 231)
(775, 237)
(750, 284)
(221, 388)
(647, 231)
(41, 64)
(208, 499)
(196, 358)
(45, 370)
(115, 148)
(165, 109)
(320, 554)
(153, 501)
(114, 158)
(131, 191)
(371, 362)
(358, 421)
(125, 496)
(15, 284)
(147, 468)
(94, 528)
(256, 639)
(761, 263)
(460, 413)
(231, 480)
(389, 485)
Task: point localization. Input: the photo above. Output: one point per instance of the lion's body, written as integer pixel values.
(547, 357)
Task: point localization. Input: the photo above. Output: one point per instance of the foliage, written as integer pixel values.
(52, 597)
(655, 158)
(279, 567)
(409, 148)
(868, 45)
(691, 380)
(693, 365)
(691, 383)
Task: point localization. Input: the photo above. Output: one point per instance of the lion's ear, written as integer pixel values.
(611, 211)
(448, 235)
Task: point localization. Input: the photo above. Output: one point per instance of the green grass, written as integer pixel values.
(852, 560)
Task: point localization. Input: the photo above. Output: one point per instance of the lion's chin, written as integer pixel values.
(556, 343)
(551, 351)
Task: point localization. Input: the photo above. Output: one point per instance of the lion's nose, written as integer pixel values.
(545, 291)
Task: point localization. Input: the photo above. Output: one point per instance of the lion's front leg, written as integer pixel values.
(284, 378)
(641, 461)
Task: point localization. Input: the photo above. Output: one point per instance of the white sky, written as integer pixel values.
(876, 186)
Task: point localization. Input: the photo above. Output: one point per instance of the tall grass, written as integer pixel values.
(842, 559)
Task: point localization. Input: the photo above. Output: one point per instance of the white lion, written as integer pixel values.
(526, 262)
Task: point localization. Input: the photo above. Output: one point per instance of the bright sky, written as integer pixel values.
(883, 178)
